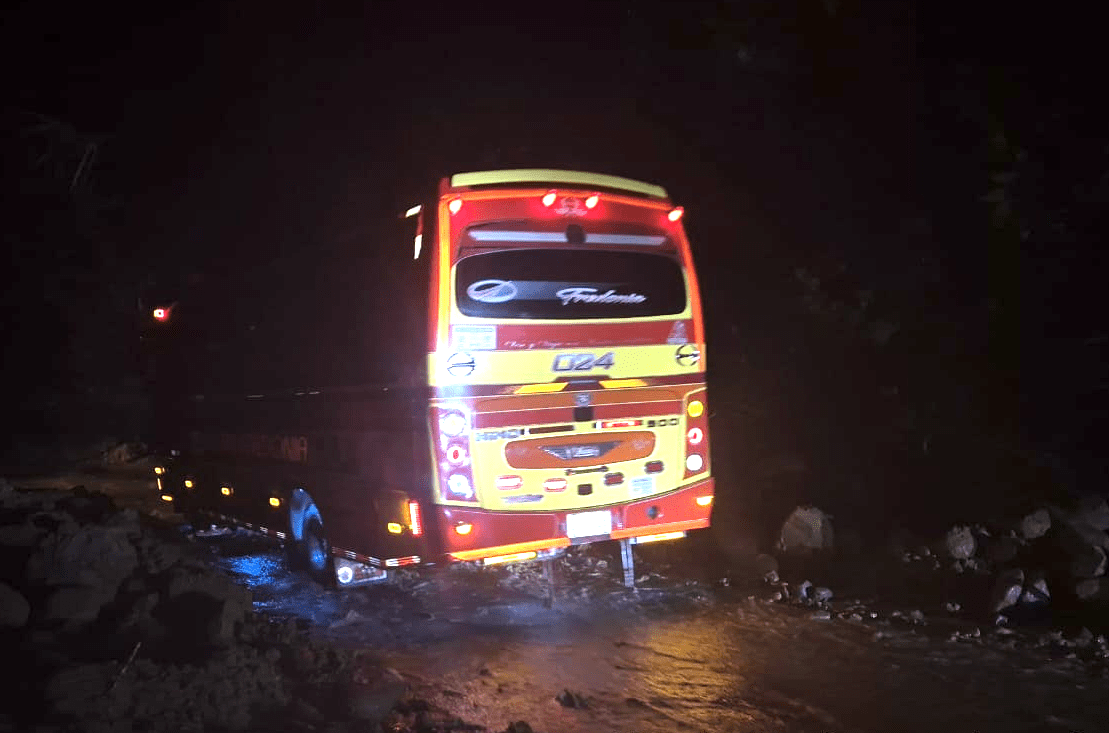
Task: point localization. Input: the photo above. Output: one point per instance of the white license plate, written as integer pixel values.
(588, 524)
(642, 485)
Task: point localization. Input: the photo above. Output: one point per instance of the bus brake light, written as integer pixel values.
(592, 201)
(675, 213)
(415, 521)
(549, 198)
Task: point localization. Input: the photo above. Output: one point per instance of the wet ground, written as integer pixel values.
(695, 647)
(679, 653)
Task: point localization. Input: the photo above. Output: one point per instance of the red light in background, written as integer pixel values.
(675, 213)
(161, 314)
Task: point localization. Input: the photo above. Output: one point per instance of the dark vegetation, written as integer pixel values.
(897, 212)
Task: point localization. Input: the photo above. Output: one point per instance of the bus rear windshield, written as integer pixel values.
(571, 284)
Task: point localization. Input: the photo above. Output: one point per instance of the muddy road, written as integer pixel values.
(697, 646)
(681, 652)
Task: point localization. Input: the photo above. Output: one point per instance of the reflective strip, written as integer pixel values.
(508, 235)
(548, 175)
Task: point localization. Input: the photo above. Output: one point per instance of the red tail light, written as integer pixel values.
(614, 479)
(549, 198)
(592, 201)
(653, 467)
(415, 522)
(675, 213)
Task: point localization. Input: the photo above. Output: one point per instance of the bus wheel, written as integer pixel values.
(315, 551)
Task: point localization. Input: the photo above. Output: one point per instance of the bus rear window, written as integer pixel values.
(573, 284)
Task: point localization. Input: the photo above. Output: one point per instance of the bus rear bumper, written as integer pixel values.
(502, 534)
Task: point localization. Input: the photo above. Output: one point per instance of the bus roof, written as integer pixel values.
(552, 176)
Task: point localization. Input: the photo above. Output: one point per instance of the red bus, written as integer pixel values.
(555, 397)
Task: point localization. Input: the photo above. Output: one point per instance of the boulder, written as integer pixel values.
(1036, 524)
(1007, 591)
(1093, 589)
(373, 693)
(805, 530)
(76, 604)
(960, 543)
(14, 608)
(1093, 510)
(90, 555)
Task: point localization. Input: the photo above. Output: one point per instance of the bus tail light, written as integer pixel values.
(459, 487)
(454, 206)
(614, 479)
(464, 528)
(415, 521)
(675, 213)
(549, 198)
(696, 447)
(509, 483)
(591, 201)
(704, 500)
(456, 454)
(653, 467)
(555, 484)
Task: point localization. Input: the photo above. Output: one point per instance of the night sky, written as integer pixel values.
(796, 134)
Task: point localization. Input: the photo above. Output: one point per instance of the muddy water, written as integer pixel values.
(678, 654)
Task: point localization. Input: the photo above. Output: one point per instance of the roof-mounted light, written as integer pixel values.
(413, 211)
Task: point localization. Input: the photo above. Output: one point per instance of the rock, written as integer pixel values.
(821, 616)
(569, 699)
(76, 604)
(952, 607)
(75, 690)
(1093, 589)
(518, 726)
(771, 577)
(14, 608)
(1035, 592)
(1088, 563)
(804, 590)
(1036, 524)
(26, 534)
(1093, 510)
(89, 555)
(806, 529)
(960, 543)
(1007, 591)
(822, 594)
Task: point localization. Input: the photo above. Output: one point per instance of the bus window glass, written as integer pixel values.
(569, 284)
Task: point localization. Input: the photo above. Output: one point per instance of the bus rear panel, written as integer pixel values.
(566, 365)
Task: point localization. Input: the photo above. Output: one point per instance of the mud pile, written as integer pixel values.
(112, 621)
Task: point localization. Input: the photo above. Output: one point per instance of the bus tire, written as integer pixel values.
(316, 552)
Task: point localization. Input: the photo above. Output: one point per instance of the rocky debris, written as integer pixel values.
(960, 543)
(807, 529)
(765, 565)
(123, 453)
(122, 625)
(1036, 524)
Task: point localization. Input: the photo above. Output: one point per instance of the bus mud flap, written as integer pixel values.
(628, 562)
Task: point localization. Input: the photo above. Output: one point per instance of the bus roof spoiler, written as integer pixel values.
(550, 176)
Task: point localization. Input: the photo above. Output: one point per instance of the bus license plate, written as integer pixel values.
(588, 524)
